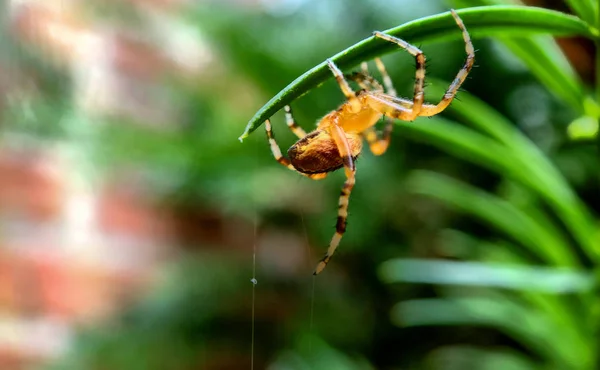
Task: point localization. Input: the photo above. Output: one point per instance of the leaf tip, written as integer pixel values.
(247, 131)
(583, 128)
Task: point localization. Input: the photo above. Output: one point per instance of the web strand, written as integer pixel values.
(254, 282)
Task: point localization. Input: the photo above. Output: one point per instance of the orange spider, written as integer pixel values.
(337, 141)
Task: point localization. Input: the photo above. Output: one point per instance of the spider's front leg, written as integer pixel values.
(291, 123)
(341, 142)
(429, 109)
(344, 86)
(419, 96)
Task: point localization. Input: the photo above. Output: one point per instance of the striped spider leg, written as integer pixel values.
(337, 140)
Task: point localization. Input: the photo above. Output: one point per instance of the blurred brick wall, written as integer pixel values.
(73, 250)
(69, 254)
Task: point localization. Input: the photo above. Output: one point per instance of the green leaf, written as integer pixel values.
(583, 128)
(545, 60)
(512, 163)
(312, 352)
(585, 9)
(523, 160)
(530, 327)
(541, 279)
(480, 21)
(542, 242)
(467, 357)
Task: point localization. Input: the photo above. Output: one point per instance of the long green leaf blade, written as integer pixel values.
(528, 278)
(585, 9)
(538, 334)
(544, 59)
(471, 357)
(525, 158)
(481, 22)
(497, 212)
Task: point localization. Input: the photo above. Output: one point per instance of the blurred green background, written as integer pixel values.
(130, 212)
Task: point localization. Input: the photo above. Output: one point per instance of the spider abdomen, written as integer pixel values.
(317, 152)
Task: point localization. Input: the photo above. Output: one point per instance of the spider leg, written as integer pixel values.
(283, 160)
(291, 123)
(379, 141)
(429, 109)
(338, 135)
(364, 67)
(387, 81)
(375, 85)
(390, 106)
(365, 81)
(346, 89)
(419, 96)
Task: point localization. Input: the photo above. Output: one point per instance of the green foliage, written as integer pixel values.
(513, 155)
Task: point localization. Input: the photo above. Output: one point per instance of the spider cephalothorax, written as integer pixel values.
(337, 141)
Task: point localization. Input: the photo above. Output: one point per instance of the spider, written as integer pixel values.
(337, 140)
